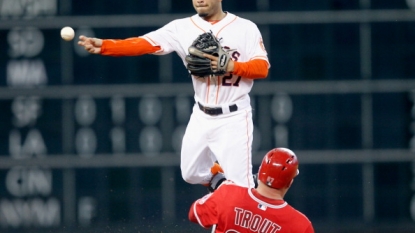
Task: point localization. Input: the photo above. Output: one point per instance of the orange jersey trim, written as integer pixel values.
(217, 34)
(253, 69)
(249, 158)
(217, 91)
(196, 25)
(135, 46)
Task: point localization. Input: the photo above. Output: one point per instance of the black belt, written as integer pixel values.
(216, 111)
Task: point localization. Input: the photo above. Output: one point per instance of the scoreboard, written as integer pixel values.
(92, 143)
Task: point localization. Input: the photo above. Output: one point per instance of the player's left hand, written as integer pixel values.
(214, 63)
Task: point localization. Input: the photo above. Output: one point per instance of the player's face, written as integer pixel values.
(207, 8)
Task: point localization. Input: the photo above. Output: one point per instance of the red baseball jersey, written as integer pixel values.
(236, 209)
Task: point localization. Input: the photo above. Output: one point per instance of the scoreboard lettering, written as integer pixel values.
(28, 8)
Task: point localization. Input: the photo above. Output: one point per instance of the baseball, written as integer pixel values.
(67, 33)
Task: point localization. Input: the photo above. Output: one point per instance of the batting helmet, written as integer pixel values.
(278, 168)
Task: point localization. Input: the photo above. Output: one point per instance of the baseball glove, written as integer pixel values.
(198, 65)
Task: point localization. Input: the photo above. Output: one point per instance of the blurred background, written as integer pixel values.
(91, 144)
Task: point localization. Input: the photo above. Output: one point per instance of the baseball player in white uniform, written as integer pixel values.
(220, 128)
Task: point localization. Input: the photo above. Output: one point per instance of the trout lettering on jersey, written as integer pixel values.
(254, 222)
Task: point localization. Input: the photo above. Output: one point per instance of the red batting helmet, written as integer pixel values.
(278, 168)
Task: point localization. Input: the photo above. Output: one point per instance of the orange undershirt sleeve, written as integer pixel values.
(136, 46)
(254, 69)
(128, 47)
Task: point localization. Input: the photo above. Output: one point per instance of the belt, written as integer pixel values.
(216, 111)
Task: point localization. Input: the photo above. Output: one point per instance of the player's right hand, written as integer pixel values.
(92, 45)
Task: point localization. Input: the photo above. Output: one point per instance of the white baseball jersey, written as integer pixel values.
(234, 33)
(204, 142)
